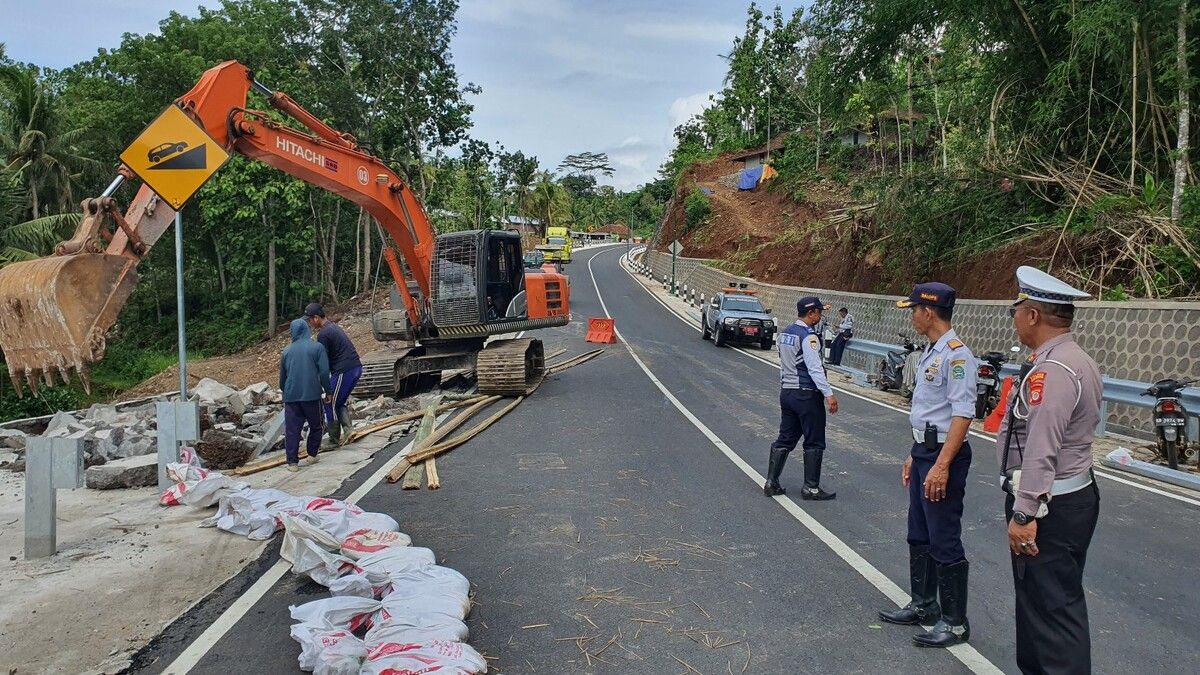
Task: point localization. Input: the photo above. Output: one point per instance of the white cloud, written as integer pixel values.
(685, 107)
(685, 31)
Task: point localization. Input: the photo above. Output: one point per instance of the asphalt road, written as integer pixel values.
(605, 530)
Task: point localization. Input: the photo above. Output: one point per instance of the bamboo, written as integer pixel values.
(393, 421)
(412, 475)
(474, 431)
(424, 442)
(431, 474)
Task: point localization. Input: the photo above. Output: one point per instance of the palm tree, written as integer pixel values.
(545, 198)
(32, 142)
(27, 239)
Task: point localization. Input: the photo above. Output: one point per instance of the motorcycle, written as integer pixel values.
(1170, 421)
(895, 372)
(987, 387)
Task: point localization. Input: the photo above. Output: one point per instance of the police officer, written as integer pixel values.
(935, 473)
(1045, 452)
(844, 333)
(803, 396)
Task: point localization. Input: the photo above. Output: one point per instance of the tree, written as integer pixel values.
(1181, 66)
(35, 141)
(27, 239)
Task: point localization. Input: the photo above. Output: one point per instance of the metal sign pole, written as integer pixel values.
(180, 327)
(673, 249)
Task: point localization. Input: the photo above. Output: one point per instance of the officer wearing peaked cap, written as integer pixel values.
(935, 473)
(1045, 452)
(803, 394)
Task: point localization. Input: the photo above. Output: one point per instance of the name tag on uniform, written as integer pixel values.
(787, 339)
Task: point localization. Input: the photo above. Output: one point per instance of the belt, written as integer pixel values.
(1061, 486)
(919, 436)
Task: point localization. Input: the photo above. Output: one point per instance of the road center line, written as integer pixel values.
(991, 439)
(967, 654)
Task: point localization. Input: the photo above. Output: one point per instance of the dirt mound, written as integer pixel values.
(260, 362)
(778, 238)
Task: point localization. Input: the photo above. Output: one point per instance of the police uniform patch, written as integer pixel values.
(958, 369)
(814, 342)
(954, 344)
(1037, 383)
(787, 339)
(930, 373)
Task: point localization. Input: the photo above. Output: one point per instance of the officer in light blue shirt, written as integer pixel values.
(935, 473)
(804, 393)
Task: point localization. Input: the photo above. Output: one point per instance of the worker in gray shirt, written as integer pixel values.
(935, 473)
(804, 393)
(845, 331)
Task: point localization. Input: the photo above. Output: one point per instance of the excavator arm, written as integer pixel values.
(56, 311)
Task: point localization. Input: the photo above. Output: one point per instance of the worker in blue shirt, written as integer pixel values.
(935, 473)
(804, 395)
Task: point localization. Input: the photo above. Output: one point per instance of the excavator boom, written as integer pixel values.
(57, 310)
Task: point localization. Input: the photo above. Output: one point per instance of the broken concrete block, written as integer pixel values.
(136, 447)
(235, 404)
(60, 420)
(209, 390)
(7, 459)
(255, 418)
(226, 426)
(258, 393)
(113, 435)
(126, 472)
(102, 412)
(11, 438)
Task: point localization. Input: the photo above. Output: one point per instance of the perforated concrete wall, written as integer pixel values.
(1139, 340)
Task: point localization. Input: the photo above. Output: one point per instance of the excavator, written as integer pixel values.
(453, 292)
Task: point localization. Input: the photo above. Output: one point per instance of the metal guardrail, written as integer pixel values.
(1116, 390)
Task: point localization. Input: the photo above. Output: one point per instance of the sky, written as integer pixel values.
(558, 76)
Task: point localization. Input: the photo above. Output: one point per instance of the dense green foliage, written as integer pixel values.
(696, 209)
(980, 122)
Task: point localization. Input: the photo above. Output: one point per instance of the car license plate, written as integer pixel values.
(750, 330)
(988, 381)
(1169, 421)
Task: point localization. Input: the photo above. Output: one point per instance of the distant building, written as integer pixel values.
(521, 224)
(758, 156)
(610, 232)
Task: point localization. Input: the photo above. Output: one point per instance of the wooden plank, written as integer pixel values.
(393, 421)
(435, 450)
(431, 474)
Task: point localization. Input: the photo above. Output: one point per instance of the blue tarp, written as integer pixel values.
(707, 191)
(749, 178)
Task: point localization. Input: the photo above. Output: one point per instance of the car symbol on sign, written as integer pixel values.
(165, 150)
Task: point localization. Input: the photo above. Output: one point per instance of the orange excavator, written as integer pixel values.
(452, 291)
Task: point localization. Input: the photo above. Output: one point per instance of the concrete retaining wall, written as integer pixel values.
(1140, 340)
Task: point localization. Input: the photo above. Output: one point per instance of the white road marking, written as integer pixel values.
(968, 655)
(978, 434)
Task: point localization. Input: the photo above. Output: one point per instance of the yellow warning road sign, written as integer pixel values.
(174, 156)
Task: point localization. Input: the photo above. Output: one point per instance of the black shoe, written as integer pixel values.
(953, 627)
(817, 494)
(775, 467)
(922, 578)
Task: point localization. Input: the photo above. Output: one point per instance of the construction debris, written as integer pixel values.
(127, 472)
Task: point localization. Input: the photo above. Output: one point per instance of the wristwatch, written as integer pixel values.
(1021, 518)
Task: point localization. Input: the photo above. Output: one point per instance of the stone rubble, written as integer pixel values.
(232, 422)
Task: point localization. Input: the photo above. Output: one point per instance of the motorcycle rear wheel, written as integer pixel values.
(1170, 452)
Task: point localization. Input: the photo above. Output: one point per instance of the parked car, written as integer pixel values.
(736, 315)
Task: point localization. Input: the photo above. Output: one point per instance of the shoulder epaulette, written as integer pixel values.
(954, 344)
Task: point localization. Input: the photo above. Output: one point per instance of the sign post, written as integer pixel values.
(676, 249)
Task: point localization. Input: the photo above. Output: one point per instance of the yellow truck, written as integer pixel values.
(557, 245)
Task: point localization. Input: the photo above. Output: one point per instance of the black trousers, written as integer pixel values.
(839, 347)
(802, 415)
(938, 525)
(1053, 635)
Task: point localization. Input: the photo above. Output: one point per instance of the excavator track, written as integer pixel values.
(510, 367)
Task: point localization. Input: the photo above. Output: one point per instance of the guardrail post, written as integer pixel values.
(50, 464)
(178, 421)
(701, 299)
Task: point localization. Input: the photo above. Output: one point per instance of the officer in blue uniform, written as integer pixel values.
(935, 473)
(803, 396)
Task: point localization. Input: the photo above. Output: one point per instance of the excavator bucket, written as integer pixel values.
(55, 312)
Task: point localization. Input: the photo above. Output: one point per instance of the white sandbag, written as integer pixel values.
(433, 578)
(397, 560)
(366, 541)
(452, 658)
(414, 626)
(324, 567)
(254, 513)
(426, 598)
(328, 652)
(340, 518)
(336, 613)
(359, 585)
(305, 525)
(195, 486)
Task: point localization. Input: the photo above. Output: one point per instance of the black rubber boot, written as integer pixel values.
(812, 478)
(774, 470)
(922, 579)
(953, 627)
(334, 430)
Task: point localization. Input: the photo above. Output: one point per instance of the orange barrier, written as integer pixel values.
(602, 331)
(992, 423)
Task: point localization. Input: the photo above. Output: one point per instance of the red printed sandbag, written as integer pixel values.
(365, 541)
(442, 657)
